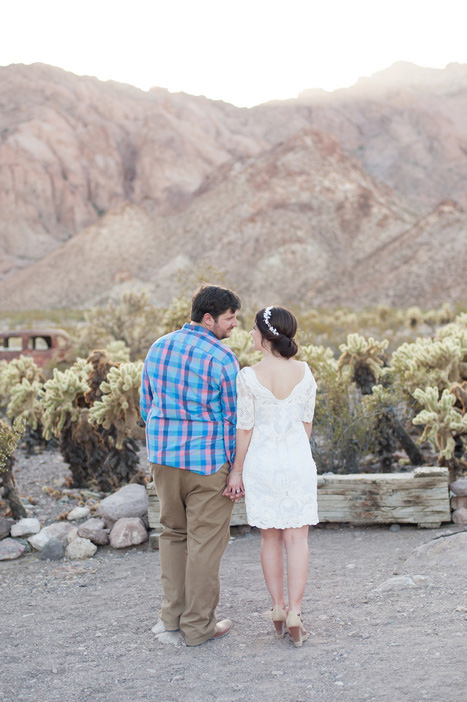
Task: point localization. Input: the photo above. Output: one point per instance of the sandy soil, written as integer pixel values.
(81, 630)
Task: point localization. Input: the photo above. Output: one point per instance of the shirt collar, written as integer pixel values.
(199, 329)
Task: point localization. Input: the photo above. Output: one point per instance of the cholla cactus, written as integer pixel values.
(364, 357)
(118, 352)
(413, 317)
(81, 368)
(131, 318)
(321, 360)
(9, 439)
(119, 405)
(176, 315)
(459, 390)
(60, 397)
(241, 344)
(439, 362)
(13, 373)
(24, 402)
(441, 420)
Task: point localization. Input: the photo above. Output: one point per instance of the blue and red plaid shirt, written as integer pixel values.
(189, 400)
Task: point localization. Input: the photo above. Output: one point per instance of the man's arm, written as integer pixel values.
(146, 393)
(229, 406)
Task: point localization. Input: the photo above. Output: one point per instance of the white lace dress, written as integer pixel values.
(279, 473)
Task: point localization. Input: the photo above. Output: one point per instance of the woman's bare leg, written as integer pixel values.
(272, 562)
(296, 548)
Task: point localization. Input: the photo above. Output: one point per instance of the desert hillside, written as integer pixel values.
(328, 198)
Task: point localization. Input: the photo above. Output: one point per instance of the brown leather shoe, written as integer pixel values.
(222, 629)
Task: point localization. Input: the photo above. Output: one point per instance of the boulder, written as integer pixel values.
(25, 527)
(10, 549)
(129, 501)
(460, 516)
(459, 487)
(78, 513)
(94, 529)
(80, 548)
(128, 532)
(57, 530)
(447, 551)
(5, 526)
(53, 550)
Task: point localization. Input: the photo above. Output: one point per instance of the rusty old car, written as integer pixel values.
(44, 345)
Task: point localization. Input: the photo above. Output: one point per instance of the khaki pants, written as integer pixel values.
(195, 518)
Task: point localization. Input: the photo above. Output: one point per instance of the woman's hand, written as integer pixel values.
(234, 489)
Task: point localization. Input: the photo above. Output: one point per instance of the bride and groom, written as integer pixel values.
(215, 434)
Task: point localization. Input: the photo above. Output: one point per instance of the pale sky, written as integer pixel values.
(241, 51)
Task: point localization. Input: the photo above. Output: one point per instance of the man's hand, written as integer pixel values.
(234, 489)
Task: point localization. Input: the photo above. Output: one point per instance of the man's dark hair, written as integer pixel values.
(213, 300)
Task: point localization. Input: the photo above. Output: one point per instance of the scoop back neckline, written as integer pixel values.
(280, 399)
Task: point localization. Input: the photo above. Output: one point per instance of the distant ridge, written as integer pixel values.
(103, 185)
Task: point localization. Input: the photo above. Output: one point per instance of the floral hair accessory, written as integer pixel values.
(266, 317)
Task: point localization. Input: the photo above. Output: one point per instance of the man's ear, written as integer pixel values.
(208, 320)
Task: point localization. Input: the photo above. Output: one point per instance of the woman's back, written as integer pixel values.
(279, 376)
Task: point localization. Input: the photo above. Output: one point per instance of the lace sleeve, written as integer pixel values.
(309, 406)
(245, 404)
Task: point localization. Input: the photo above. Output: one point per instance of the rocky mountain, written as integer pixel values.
(102, 185)
(72, 148)
(287, 223)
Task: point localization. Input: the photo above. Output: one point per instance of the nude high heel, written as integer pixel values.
(279, 617)
(296, 629)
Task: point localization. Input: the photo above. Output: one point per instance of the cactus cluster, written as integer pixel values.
(364, 358)
(60, 398)
(441, 419)
(119, 404)
(13, 373)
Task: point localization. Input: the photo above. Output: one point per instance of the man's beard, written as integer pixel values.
(221, 334)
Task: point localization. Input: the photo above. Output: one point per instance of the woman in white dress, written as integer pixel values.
(273, 465)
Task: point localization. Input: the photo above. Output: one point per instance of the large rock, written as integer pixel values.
(459, 487)
(80, 548)
(5, 526)
(128, 532)
(460, 516)
(94, 529)
(53, 550)
(10, 549)
(450, 551)
(59, 530)
(26, 527)
(129, 501)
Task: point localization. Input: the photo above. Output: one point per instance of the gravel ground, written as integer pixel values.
(79, 630)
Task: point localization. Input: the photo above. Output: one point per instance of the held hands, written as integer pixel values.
(234, 489)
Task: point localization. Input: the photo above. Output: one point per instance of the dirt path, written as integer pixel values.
(81, 630)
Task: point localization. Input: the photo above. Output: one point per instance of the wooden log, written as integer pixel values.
(421, 497)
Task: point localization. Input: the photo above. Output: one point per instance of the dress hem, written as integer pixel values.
(285, 526)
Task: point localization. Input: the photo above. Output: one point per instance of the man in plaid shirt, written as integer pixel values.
(188, 401)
